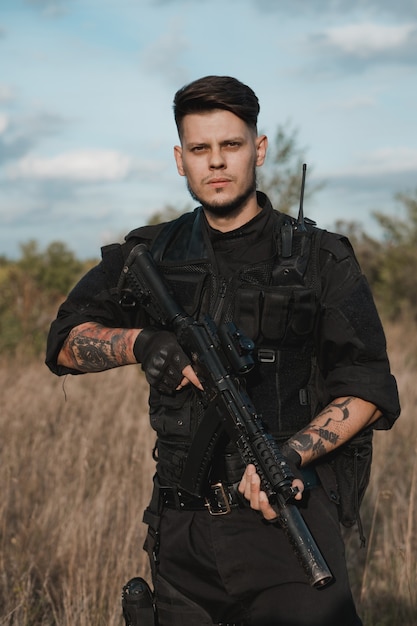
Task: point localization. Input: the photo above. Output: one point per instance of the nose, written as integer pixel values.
(217, 160)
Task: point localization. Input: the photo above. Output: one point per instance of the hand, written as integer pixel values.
(250, 488)
(164, 362)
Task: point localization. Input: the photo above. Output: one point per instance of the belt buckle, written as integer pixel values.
(218, 502)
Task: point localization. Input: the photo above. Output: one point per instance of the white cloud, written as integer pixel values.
(399, 9)
(80, 165)
(164, 56)
(350, 104)
(50, 8)
(380, 162)
(7, 93)
(369, 38)
(390, 160)
(4, 122)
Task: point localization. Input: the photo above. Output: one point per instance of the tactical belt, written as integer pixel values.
(221, 498)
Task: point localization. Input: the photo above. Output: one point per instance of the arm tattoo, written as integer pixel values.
(96, 348)
(342, 406)
(313, 437)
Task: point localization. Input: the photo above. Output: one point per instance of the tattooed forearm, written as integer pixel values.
(342, 405)
(91, 347)
(337, 423)
(328, 435)
(306, 442)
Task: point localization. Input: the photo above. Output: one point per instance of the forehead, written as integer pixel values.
(215, 125)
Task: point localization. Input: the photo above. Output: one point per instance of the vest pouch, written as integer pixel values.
(288, 315)
(275, 310)
(171, 415)
(187, 290)
(248, 311)
(304, 307)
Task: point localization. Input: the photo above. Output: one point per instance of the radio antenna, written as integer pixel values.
(300, 220)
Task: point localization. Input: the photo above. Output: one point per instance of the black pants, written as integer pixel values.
(236, 569)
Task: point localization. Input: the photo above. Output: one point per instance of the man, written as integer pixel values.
(321, 374)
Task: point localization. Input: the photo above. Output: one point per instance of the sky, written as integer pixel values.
(86, 92)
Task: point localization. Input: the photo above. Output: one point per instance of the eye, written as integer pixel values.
(198, 149)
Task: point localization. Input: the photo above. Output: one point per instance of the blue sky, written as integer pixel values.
(86, 90)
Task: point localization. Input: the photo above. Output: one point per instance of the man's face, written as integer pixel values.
(218, 155)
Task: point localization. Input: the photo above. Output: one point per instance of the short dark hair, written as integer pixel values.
(216, 92)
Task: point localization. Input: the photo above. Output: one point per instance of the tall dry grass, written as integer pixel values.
(384, 575)
(75, 475)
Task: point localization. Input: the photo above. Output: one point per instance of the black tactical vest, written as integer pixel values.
(274, 302)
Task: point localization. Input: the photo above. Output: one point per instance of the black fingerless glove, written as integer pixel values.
(162, 358)
(293, 459)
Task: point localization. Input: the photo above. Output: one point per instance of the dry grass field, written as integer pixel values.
(75, 475)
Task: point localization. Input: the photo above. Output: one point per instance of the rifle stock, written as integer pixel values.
(227, 408)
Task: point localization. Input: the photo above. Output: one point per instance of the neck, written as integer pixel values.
(235, 219)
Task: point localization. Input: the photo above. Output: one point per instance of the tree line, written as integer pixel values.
(32, 287)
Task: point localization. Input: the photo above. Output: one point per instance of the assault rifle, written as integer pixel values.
(219, 356)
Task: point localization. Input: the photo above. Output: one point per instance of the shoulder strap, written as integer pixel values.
(314, 261)
(181, 239)
(112, 263)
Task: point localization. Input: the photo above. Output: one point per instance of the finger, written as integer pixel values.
(184, 382)
(255, 488)
(243, 481)
(251, 487)
(265, 508)
(297, 483)
(191, 377)
(259, 499)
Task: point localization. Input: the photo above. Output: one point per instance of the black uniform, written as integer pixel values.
(300, 295)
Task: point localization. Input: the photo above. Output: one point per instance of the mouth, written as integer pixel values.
(218, 182)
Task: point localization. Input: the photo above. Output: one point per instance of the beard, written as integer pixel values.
(230, 207)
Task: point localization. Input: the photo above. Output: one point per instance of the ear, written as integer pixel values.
(261, 148)
(178, 160)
